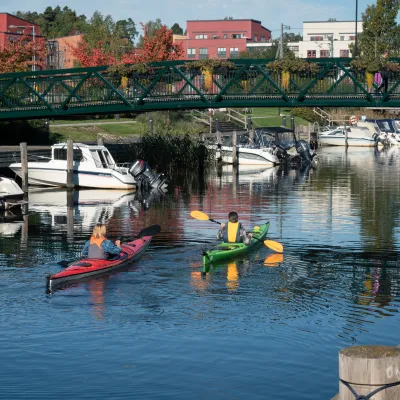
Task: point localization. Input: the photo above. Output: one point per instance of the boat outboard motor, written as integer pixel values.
(304, 151)
(143, 174)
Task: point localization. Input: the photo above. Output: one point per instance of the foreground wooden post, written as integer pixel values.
(368, 368)
(70, 164)
(234, 149)
(24, 166)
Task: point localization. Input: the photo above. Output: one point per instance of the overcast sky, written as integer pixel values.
(270, 12)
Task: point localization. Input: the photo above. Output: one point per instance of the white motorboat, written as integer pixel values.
(10, 194)
(364, 134)
(93, 165)
(263, 156)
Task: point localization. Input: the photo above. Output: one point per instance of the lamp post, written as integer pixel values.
(33, 40)
(355, 42)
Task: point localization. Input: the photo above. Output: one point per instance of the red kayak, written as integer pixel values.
(87, 267)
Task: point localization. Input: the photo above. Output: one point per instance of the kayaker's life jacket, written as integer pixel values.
(95, 249)
(231, 232)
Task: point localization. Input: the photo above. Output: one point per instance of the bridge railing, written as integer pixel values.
(172, 85)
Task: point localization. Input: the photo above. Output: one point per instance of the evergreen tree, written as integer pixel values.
(176, 29)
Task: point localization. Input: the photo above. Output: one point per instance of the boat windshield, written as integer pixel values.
(102, 158)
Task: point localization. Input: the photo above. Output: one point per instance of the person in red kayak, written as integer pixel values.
(99, 246)
(233, 231)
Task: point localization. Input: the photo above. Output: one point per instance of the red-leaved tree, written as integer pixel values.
(22, 54)
(92, 57)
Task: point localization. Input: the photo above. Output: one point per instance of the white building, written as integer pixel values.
(322, 39)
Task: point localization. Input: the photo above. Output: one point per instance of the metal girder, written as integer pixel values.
(51, 94)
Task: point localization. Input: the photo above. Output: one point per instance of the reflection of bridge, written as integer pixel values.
(171, 85)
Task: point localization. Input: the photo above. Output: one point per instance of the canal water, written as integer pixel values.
(259, 327)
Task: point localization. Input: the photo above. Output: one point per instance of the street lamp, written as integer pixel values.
(355, 43)
(33, 39)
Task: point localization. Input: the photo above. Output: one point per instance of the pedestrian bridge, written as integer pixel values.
(173, 86)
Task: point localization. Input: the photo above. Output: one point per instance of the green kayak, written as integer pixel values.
(225, 251)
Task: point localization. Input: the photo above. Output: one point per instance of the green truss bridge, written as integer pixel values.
(171, 86)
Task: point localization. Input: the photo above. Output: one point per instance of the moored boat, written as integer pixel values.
(225, 251)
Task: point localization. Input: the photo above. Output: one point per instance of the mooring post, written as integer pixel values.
(24, 166)
(283, 120)
(346, 136)
(365, 369)
(70, 216)
(292, 123)
(70, 163)
(234, 149)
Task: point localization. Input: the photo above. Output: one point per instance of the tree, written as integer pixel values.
(176, 29)
(380, 31)
(150, 28)
(22, 54)
(265, 52)
(292, 37)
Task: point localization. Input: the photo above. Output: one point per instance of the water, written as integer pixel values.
(162, 329)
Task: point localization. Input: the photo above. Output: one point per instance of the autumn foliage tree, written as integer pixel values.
(22, 54)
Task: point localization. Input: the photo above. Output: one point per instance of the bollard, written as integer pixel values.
(292, 123)
(24, 166)
(283, 120)
(234, 149)
(367, 369)
(70, 163)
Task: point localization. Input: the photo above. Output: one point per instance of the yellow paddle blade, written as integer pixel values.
(274, 245)
(199, 215)
(273, 260)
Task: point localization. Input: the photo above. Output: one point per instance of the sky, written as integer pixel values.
(270, 12)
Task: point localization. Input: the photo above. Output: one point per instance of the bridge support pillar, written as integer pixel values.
(70, 164)
(24, 166)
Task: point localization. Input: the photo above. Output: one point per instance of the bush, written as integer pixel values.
(32, 132)
(307, 114)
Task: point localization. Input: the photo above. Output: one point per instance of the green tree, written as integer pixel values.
(151, 27)
(176, 29)
(265, 52)
(380, 30)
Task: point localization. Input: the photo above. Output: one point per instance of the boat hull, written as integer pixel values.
(86, 267)
(247, 156)
(226, 251)
(341, 141)
(43, 175)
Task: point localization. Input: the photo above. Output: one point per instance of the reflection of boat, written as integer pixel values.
(10, 193)
(10, 223)
(249, 173)
(93, 167)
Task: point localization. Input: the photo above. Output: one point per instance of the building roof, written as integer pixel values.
(22, 19)
(310, 22)
(235, 19)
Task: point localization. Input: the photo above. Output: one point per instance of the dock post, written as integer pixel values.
(292, 123)
(346, 136)
(70, 164)
(24, 166)
(70, 216)
(284, 120)
(365, 369)
(234, 149)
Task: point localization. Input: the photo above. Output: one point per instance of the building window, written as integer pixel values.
(311, 53)
(222, 52)
(225, 36)
(237, 35)
(342, 38)
(316, 38)
(352, 37)
(201, 36)
(214, 36)
(255, 38)
(234, 52)
(345, 53)
(191, 53)
(262, 39)
(324, 53)
(203, 53)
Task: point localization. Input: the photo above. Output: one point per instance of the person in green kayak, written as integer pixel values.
(233, 231)
(98, 246)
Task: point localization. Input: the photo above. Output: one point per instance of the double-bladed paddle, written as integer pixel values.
(276, 246)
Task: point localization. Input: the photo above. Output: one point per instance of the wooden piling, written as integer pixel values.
(24, 166)
(234, 149)
(70, 164)
(368, 368)
(346, 136)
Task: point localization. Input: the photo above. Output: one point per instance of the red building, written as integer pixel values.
(12, 28)
(224, 38)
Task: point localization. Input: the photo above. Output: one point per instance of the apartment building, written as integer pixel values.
(324, 39)
(12, 28)
(60, 51)
(222, 39)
